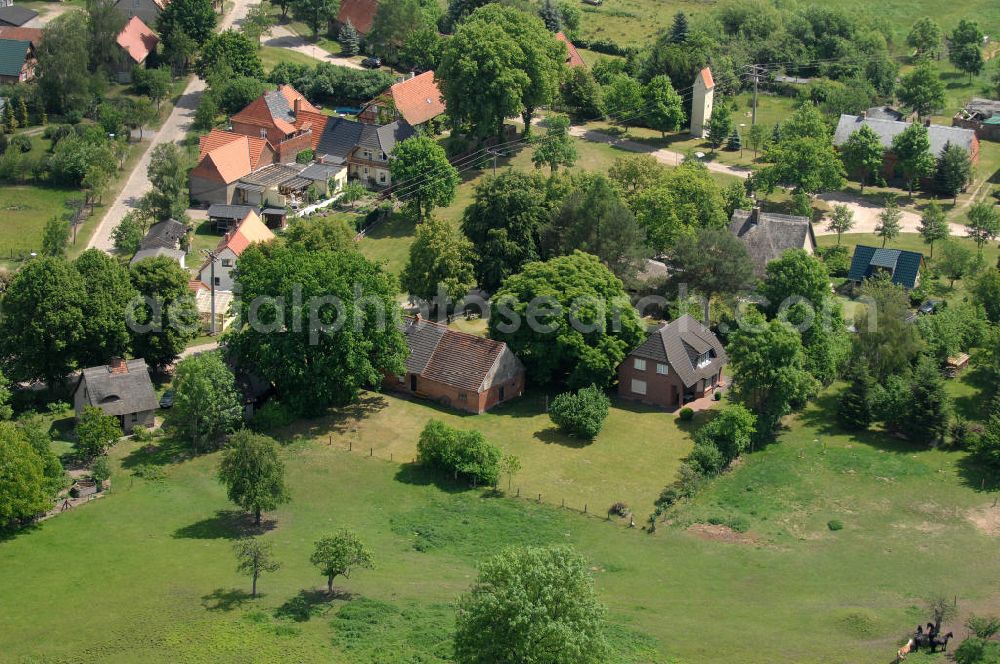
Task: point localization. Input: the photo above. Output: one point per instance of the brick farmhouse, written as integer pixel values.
(456, 369)
(680, 362)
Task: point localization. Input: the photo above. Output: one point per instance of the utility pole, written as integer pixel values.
(211, 263)
(495, 154)
(756, 78)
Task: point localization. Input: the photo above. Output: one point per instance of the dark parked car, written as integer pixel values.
(167, 400)
(929, 307)
(372, 62)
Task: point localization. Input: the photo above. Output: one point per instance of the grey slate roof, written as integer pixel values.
(883, 113)
(279, 107)
(768, 235)
(939, 135)
(16, 15)
(167, 234)
(679, 344)
(341, 136)
(156, 252)
(222, 211)
(904, 266)
(119, 393)
(421, 338)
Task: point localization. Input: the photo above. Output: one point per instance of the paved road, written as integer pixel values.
(282, 37)
(173, 130)
(200, 348)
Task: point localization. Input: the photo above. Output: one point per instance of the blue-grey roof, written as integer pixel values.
(16, 15)
(341, 136)
(321, 172)
(167, 234)
(938, 135)
(904, 266)
(279, 107)
(222, 211)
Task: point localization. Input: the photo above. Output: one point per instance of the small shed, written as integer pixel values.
(956, 364)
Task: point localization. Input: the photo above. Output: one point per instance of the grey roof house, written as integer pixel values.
(938, 135)
(163, 238)
(981, 116)
(768, 235)
(902, 266)
(122, 389)
(16, 15)
(365, 148)
(679, 362)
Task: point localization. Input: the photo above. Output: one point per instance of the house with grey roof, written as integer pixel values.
(363, 147)
(156, 252)
(902, 266)
(938, 135)
(768, 235)
(16, 15)
(456, 369)
(122, 389)
(679, 362)
(163, 238)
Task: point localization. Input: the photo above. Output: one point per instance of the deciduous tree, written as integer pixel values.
(933, 225)
(254, 557)
(23, 487)
(711, 262)
(423, 175)
(890, 219)
(926, 37)
(232, 50)
(441, 257)
(556, 148)
(193, 18)
(526, 597)
(585, 329)
(912, 148)
(953, 171)
(581, 413)
(921, 90)
(841, 221)
(623, 100)
(956, 261)
(207, 404)
(984, 223)
(339, 554)
(107, 293)
(863, 153)
(96, 432)
(168, 318)
(313, 363)
(663, 109)
(884, 339)
(252, 473)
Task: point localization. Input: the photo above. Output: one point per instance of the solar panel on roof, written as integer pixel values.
(885, 258)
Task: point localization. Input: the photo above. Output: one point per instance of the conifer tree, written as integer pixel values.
(349, 40)
(855, 408)
(679, 29)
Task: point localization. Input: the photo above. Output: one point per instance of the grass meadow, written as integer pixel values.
(146, 574)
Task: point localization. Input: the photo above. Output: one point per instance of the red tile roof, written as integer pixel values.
(418, 99)
(316, 121)
(137, 39)
(573, 58)
(361, 13)
(218, 138)
(33, 35)
(262, 111)
(706, 78)
(450, 357)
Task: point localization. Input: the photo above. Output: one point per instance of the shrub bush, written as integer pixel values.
(619, 509)
(730, 432)
(837, 260)
(706, 459)
(686, 485)
(21, 142)
(272, 415)
(686, 415)
(149, 472)
(304, 157)
(141, 434)
(465, 453)
(581, 414)
(835, 524)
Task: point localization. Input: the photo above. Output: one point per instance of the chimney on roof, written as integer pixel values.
(755, 215)
(296, 105)
(863, 115)
(117, 365)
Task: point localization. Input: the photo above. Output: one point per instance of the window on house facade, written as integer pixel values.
(462, 396)
(135, 417)
(381, 177)
(384, 157)
(661, 368)
(639, 364)
(367, 154)
(263, 133)
(218, 281)
(704, 359)
(227, 262)
(638, 387)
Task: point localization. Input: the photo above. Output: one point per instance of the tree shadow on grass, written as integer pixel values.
(309, 603)
(341, 421)
(225, 599)
(226, 524)
(974, 406)
(553, 436)
(418, 475)
(976, 477)
(160, 453)
(821, 415)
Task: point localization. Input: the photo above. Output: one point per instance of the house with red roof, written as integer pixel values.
(249, 231)
(33, 35)
(416, 99)
(573, 58)
(273, 117)
(361, 14)
(224, 158)
(136, 41)
(456, 369)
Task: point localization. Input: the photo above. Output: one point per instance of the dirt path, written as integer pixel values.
(174, 129)
(282, 37)
(664, 156)
(866, 216)
(46, 15)
(200, 348)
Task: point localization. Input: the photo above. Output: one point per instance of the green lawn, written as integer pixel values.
(271, 56)
(24, 209)
(146, 574)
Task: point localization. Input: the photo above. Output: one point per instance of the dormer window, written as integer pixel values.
(263, 133)
(705, 359)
